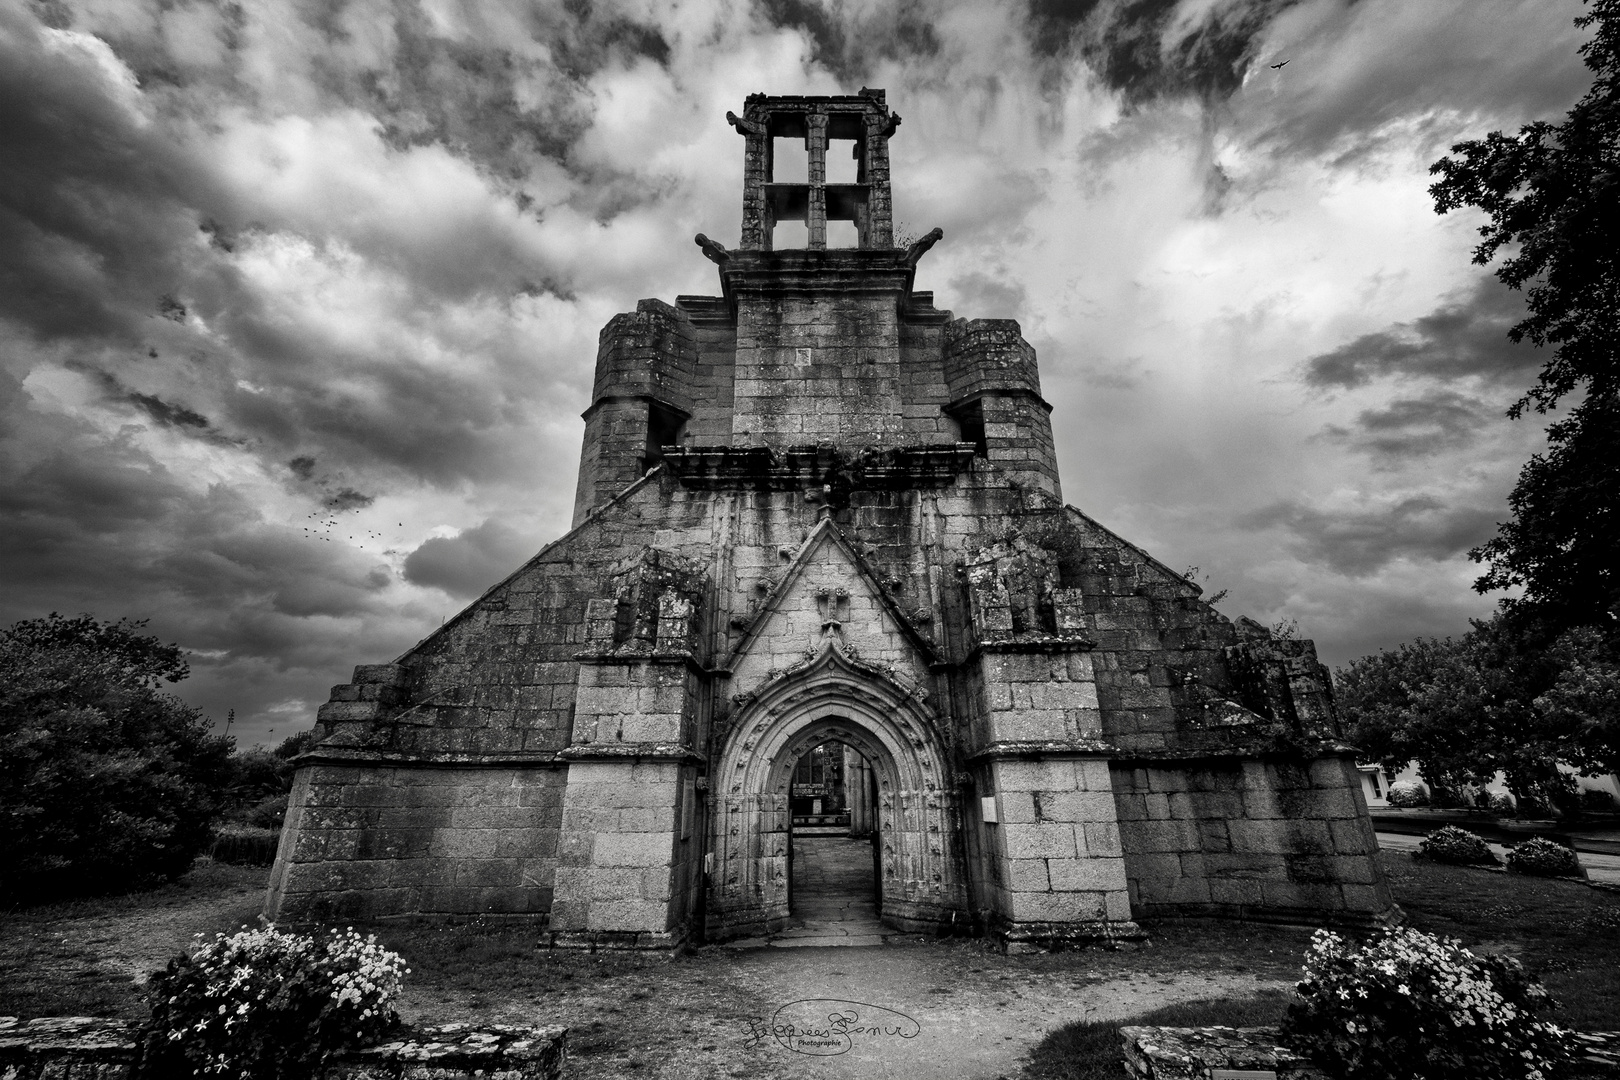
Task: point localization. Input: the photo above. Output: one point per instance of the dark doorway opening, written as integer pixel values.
(834, 857)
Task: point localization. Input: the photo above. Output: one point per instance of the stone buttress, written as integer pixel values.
(816, 508)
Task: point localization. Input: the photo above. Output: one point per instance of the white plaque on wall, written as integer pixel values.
(988, 805)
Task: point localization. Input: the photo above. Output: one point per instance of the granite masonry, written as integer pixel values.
(816, 508)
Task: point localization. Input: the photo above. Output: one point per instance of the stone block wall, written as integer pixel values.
(1162, 1053)
(1037, 696)
(1262, 839)
(90, 1048)
(816, 369)
(715, 370)
(1063, 873)
(624, 849)
(377, 841)
(645, 370)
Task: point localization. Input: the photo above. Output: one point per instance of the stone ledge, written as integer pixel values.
(1163, 1053)
(1157, 1053)
(1064, 748)
(1024, 937)
(401, 759)
(89, 1047)
(631, 751)
(615, 940)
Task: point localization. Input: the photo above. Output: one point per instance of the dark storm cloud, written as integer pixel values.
(348, 499)
(1361, 542)
(467, 564)
(1139, 48)
(852, 50)
(1423, 426)
(93, 206)
(1466, 336)
(1365, 75)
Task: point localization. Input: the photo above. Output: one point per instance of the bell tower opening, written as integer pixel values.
(783, 182)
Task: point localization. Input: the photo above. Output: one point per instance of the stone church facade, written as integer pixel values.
(815, 508)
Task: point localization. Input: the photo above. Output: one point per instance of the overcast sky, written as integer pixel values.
(299, 301)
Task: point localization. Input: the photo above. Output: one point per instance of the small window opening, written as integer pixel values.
(970, 419)
(790, 236)
(843, 166)
(843, 234)
(664, 428)
(790, 161)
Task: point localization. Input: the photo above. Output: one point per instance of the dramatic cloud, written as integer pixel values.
(1360, 541)
(467, 564)
(1467, 337)
(299, 303)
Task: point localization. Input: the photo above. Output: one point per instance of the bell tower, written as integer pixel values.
(862, 123)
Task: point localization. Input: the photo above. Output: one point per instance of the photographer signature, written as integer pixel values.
(824, 1027)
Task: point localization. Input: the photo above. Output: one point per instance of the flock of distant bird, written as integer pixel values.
(325, 522)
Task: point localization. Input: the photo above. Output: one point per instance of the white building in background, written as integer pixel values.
(1376, 781)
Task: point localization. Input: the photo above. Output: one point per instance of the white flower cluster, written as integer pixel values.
(248, 973)
(365, 974)
(1442, 977)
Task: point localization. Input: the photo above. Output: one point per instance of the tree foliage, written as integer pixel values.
(1465, 708)
(1551, 194)
(106, 782)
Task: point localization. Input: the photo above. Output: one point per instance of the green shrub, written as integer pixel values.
(268, 1005)
(1543, 858)
(1501, 803)
(1457, 846)
(268, 813)
(1411, 1006)
(245, 845)
(1407, 794)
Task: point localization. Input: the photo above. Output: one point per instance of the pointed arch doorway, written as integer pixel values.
(833, 698)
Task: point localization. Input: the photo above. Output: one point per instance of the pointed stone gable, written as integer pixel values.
(827, 591)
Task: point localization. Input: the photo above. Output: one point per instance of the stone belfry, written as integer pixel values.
(815, 509)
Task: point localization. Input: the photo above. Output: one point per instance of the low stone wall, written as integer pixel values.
(1161, 1053)
(87, 1048)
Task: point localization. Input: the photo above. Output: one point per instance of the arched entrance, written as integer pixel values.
(833, 873)
(834, 698)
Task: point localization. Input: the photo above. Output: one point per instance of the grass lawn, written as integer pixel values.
(87, 957)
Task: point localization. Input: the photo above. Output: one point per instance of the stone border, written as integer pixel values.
(1165, 1053)
(98, 1049)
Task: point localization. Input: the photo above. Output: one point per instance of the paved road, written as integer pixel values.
(1603, 868)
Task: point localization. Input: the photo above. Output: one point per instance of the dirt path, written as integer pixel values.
(949, 1009)
(922, 1008)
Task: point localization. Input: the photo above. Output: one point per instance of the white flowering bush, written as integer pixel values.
(1457, 846)
(265, 1004)
(1406, 794)
(1544, 858)
(1411, 1006)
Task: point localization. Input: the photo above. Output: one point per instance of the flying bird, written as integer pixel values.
(1274, 67)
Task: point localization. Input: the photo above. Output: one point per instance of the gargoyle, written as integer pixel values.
(744, 127)
(888, 126)
(714, 252)
(920, 248)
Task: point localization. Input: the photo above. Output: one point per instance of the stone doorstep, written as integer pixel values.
(63, 1045)
(1164, 1053)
